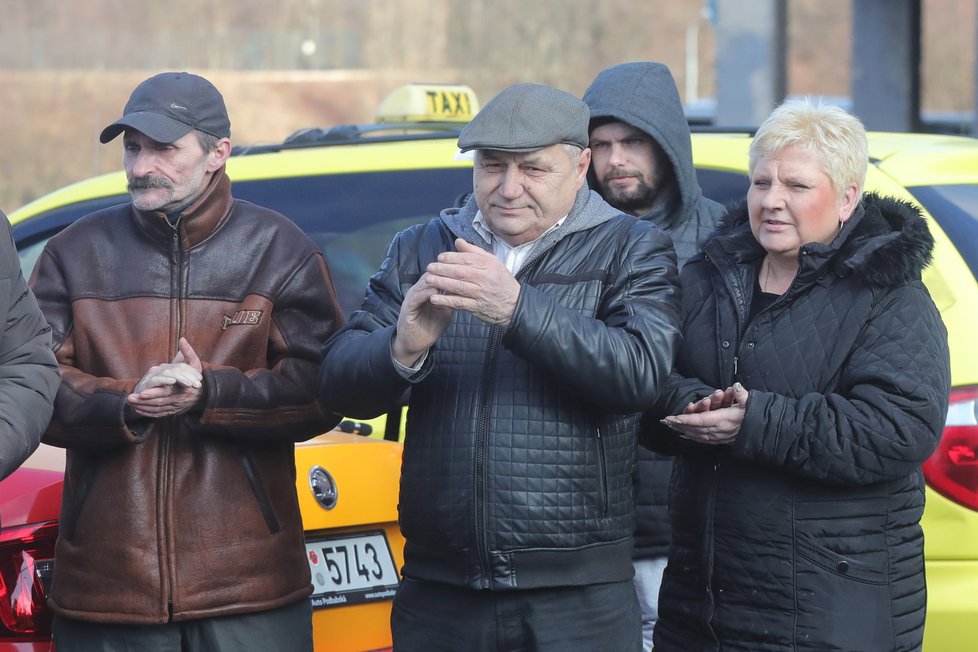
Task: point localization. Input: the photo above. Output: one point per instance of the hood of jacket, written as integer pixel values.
(644, 95)
(886, 242)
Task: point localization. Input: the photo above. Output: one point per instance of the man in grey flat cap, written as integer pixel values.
(180, 526)
(532, 326)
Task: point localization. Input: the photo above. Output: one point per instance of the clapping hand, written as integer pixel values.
(169, 389)
(474, 280)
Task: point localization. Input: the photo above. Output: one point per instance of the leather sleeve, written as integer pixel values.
(278, 402)
(88, 410)
(358, 377)
(621, 357)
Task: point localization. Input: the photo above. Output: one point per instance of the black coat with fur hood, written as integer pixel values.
(803, 534)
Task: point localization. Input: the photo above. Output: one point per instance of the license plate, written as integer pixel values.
(351, 570)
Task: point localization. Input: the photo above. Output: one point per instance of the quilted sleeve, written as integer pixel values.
(887, 414)
(673, 399)
(621, 357)
(358, 377)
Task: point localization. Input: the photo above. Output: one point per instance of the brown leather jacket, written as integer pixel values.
(194, 515)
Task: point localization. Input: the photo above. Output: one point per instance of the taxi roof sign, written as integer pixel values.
(429, 103)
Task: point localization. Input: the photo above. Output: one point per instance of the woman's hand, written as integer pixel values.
(718, 399)
(714, 419)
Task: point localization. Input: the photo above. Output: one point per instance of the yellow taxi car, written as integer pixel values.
(942, 174)
(351, 188)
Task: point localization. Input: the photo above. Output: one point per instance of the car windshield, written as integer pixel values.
(955, 207)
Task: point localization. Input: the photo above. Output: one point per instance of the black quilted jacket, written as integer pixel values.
(520, 444)
(803, 534)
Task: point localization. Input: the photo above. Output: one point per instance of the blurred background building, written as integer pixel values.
(67, 68)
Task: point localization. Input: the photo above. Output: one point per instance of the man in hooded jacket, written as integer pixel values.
(642, 164)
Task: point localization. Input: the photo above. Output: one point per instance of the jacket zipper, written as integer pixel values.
(481, 479)
(602, 474)
(743, 333)
(710, 553)
(743, 311)
(482, 462)
(177, 263)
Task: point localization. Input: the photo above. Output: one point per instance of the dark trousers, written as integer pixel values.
(434, 617)
(287, 629)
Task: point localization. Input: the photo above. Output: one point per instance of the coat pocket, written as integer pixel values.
(75, 497)
(260, 493)
(602, 474)
(843, 602)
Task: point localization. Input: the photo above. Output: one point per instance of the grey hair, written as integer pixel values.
(207, 141)
(574, 152)
(836, 138)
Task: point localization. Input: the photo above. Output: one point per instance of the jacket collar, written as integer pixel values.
(198, 220)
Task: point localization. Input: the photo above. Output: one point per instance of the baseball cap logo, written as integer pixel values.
(178, 107)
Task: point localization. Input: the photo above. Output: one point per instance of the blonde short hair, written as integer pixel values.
(836, 138)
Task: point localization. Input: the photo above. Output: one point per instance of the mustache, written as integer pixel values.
(623, 173)
(144, 183)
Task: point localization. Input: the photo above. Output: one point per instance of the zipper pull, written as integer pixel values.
(735, 361)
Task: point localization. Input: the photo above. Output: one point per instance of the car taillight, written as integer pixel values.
(952, 470)
(26, 567)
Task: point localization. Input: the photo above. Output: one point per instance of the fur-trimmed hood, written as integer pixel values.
(886, 242)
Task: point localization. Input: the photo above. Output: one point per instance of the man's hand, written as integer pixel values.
(474, 280)
(419, 324)
(169, 389)
(715, 419)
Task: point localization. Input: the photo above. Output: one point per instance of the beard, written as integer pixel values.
(635, 200)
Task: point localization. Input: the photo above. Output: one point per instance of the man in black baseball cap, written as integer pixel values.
(166, 109)
(531, 325)
(180, 524)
